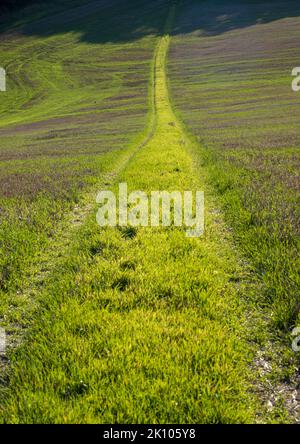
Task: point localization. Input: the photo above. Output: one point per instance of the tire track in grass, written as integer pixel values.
(189, 287)
(46, 261)
(140, 325)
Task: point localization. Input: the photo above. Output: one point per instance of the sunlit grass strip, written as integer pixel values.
(139, 326)
(85, 121)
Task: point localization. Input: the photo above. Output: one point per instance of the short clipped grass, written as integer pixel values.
(140, 325)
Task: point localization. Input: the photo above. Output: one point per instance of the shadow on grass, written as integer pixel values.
(214, 17)
(104, 21)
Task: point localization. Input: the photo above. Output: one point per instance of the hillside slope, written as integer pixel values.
(230, 72)
(143, 324)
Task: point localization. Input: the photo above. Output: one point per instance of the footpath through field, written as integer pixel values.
(145, 325)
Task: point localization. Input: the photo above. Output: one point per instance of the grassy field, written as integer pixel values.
(76, 105)
(125, 333)
(146, 325)
(230, 70)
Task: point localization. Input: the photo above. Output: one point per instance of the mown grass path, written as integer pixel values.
(145, 325)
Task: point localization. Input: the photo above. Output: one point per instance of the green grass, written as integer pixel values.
(134, 325)
(75, 108)
(142, 328)
(231, 82)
